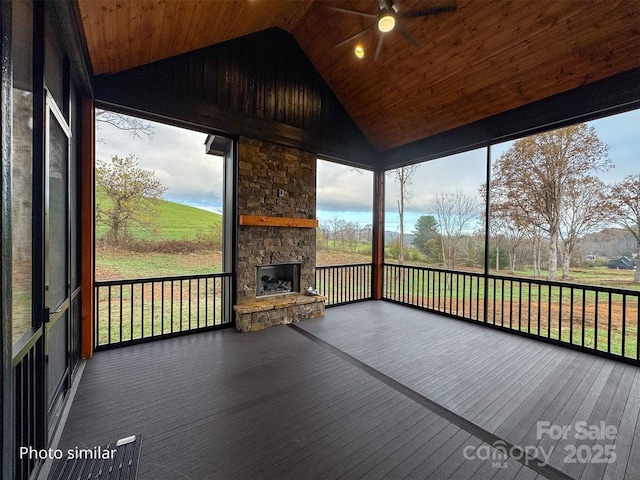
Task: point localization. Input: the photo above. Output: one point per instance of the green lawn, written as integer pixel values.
(610, 324)
(174, 222)
(146, 310)
(116, 263)
(600, 276)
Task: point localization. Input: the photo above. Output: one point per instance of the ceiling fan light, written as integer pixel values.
(359, 51)
(386, 22)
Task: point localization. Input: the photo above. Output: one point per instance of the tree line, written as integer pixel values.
(341, 235)
(545, 193)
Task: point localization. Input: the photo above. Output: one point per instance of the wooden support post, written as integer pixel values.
(87, 219)
(378, 236)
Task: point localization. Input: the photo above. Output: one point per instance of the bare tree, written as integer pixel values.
(507, 232)
(136, 127)
(534, 235)
(534, 175)
(504, 226)
(338, 230)
(365, 233)
(624, 202)
(455, 213)
(351, 235)
(581, 214)
(404, 177)
(323, 233)
(130, 193)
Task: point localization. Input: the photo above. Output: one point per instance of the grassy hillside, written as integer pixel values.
(174, 222)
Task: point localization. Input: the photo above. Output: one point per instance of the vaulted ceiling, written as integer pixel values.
(485, 58)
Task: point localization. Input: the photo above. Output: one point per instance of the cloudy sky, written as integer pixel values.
(178, 158)
(466, 172)
(194, 178)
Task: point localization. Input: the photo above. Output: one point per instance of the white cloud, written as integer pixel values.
(176, 155)
(342, 188)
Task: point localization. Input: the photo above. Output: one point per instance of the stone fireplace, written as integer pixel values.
(276, 186)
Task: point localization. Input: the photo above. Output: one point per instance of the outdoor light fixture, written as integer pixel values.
(386, 20)
(359, 51)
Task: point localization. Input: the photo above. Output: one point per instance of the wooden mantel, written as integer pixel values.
(262, 221)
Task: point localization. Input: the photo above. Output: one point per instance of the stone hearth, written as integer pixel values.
(275, 181)
(268, 313)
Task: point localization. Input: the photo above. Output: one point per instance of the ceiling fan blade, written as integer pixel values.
(378, 47)
(353, 12)
(406, 35)
(353, 37)
(428, 11)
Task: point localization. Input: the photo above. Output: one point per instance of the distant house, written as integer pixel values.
(622, 263)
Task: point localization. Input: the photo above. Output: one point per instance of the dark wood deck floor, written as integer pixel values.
(373, 390)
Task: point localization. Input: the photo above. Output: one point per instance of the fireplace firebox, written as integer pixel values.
(278, 279)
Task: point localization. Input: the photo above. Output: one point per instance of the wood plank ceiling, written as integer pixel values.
(485, 58)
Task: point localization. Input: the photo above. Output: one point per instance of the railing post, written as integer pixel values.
(377, 270)
(487, 237)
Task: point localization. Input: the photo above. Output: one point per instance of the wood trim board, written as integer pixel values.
(263, 221)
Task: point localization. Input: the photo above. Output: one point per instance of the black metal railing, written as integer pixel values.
(343, 284)
(448, 292)
(29, 406)
(135, 310)
(597, 319)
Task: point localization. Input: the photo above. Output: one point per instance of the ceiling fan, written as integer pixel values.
(387, 19)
